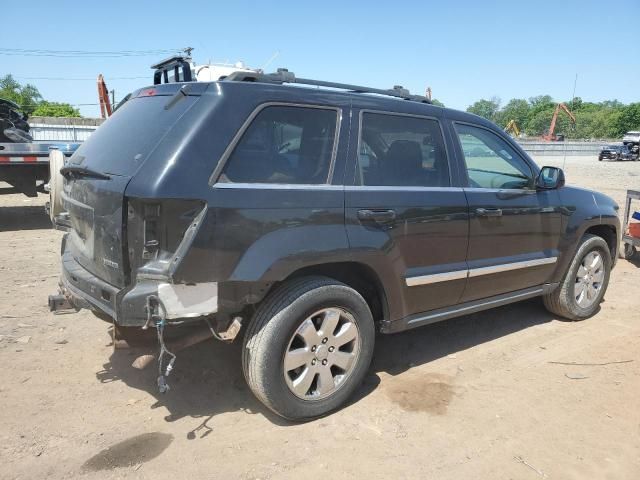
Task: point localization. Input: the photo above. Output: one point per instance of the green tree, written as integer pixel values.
(55, 109)
(516, 109)
(629, 119)
(540, 101)
(27, 96)
(437, 102)
(486, 108)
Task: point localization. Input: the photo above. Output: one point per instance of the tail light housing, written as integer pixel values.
(155, 231)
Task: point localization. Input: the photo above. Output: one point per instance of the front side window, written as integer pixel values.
(491, 161)
(285, 144)
(399, 150)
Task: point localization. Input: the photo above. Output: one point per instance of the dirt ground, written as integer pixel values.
(475, 397)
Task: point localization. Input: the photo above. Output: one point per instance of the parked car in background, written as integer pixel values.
(616, 152)
(632, 140)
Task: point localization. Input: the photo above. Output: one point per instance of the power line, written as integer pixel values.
(84, 53)
(80, 78)
(70, 104)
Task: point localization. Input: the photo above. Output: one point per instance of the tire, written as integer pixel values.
(627, 251)
(56, 162)
(274, 329)
(563, 301)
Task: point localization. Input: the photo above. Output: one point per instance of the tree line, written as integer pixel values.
(608, 119)
(30, 100)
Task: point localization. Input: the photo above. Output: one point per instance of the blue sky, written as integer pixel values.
(464, 50)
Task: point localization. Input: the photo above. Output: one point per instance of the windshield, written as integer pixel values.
(123, 142)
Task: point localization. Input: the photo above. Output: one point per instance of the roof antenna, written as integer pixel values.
(273, 57)
(573, 100)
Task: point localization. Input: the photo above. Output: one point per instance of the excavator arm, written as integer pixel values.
(512, 127)
(103, 98)
(551, 136)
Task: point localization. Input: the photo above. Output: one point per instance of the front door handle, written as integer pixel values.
(379, 216)
(489, 212)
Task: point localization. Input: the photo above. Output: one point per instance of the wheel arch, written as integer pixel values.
(362, 278)
(609, 234)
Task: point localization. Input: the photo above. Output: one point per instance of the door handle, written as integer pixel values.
(489, 212)
(379, 216)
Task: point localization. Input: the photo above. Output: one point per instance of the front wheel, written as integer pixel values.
(308, 347)
(579, 294)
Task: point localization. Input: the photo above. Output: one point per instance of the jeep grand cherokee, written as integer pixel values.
(313, 217)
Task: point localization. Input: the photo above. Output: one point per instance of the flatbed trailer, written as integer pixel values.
(25, 166)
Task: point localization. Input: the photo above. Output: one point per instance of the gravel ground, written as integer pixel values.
(475, 397)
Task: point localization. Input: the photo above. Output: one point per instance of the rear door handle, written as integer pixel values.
(489, 212)
(379, 216)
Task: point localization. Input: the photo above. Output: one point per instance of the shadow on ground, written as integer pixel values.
(27, 217)
(207, 379)
(635, 260)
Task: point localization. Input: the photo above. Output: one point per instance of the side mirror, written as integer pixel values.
(550, 178)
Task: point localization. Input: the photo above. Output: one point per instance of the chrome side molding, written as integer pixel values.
(437, 277)
(476, 272)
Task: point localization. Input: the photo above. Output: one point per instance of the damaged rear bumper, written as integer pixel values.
(128, 306)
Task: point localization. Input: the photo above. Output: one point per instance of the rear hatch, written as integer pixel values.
(98, 173)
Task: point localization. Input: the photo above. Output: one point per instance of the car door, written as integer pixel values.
(278, 201)
(514, 228)
(404, 212)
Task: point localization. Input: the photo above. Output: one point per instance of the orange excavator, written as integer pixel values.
(551, 136)
(103, 97)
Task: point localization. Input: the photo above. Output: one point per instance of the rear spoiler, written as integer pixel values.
(181, 66)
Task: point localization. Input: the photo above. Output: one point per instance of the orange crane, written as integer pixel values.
(551, 136)
(103, 97)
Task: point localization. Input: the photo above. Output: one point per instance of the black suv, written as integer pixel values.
(313, 217)
(616, 152)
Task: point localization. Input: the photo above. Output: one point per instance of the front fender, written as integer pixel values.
(583, 210)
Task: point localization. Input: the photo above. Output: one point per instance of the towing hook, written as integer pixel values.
(59, 303)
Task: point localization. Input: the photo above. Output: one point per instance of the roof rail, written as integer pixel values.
(285, 76)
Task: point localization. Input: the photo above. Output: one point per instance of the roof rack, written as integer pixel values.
(285, 76)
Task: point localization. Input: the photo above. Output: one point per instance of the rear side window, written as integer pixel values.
(285, 144)
(398, 150)
(490, 160)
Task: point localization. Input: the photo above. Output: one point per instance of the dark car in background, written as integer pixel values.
(312, 217)
(616, 152)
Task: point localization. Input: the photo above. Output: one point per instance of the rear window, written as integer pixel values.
(286, 145)
(124, 141)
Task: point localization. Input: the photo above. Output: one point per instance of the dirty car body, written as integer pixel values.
(166, 219)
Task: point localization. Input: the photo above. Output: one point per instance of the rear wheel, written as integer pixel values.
(308, 347)
(585, 283)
